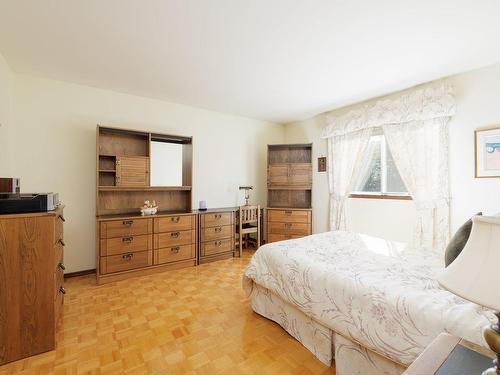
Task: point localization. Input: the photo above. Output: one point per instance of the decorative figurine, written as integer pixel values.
(149, 208)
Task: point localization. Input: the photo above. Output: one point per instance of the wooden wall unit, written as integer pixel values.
(289, 191)
(31, 282)
(217, 234)
(128, 244)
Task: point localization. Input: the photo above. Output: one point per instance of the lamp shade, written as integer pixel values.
(475, 273)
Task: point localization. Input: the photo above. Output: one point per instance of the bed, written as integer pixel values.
(371, 304)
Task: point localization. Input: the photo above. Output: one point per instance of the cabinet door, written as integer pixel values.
(300, 174)
(132, 171)
(277, 175)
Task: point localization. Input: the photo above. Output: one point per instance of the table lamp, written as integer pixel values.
(473, 275)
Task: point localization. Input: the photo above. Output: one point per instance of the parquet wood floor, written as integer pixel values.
(190, 321)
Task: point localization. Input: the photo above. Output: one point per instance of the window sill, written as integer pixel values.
(401, 197)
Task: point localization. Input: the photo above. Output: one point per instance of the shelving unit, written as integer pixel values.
(123, 172)
(289, 191)
(128, 244)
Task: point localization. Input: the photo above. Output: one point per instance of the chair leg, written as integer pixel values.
(241, 244)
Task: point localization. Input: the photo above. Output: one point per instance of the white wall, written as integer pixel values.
(7, 168)
(55, 149)
(477, 94)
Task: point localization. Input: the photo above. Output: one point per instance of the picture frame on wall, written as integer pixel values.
(487, 152)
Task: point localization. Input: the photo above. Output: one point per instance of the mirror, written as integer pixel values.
(166, 164)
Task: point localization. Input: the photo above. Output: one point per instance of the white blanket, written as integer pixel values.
(377, 292)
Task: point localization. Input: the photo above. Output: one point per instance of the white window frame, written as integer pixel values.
(383, 194)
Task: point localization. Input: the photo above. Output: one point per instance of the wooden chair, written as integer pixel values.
(249, 222)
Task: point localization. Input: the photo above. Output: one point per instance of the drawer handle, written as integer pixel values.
(175, 219)
(218, 243)
(127, 239)
(288, 212)
(218, 230)
(175, 249)
(128, 256)
(61, 217)
(128, 222)
(62, 290)
(288, 225)
(61, 241)
(61, 266)
(175, 234)
(217, 216)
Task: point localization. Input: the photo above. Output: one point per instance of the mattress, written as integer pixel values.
(381, 294)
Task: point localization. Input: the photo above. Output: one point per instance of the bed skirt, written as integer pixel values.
(326, 345)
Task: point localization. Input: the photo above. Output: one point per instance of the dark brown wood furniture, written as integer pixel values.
(217, 234)
(289, 191)
(31, 282)
(127, 243)
(438, 357)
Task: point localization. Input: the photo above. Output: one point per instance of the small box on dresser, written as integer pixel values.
(31, 282)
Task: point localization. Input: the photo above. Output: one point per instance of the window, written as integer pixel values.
(378, 176)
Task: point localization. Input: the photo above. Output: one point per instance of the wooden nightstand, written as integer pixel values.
(450, 355)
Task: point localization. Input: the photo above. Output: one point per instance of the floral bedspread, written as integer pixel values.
(379, 293)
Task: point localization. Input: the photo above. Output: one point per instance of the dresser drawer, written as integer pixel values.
(59, 228)
(289, 216)
(216, 246)
(124, 262)
(125, 228)
(182, 237)
(217, 233)
(216, 219)
(129, 244)
(58, 255)
(300, 229)
(174, 254)
(174, 223)
(281, 237)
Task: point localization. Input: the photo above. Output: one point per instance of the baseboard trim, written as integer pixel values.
(79, 273)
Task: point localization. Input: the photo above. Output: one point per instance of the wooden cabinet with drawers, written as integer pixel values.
(31, 282)
(289, 192)
(175, 239)
(138, 245)
(285, 224)
(217, 233)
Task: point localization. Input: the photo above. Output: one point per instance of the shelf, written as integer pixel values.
(289, 187)
(145, 188)
(107, 171)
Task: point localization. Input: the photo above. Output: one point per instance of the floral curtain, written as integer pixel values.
(415, 125)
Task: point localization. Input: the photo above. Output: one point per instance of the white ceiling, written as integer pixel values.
(278, 60)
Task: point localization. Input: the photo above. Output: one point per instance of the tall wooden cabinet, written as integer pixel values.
(129, 244)
(289, 191)
(31, 282)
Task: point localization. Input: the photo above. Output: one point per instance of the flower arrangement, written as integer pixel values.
(149, 208)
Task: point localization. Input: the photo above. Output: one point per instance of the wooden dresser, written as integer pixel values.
(287, 224)
(31, 282)
(289, 192)
(217, 234)
(129, 244)
(136, 245)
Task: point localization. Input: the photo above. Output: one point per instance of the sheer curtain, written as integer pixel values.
(415, 125)
(346, 155)
(420, 152)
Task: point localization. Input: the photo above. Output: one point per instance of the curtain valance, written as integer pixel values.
(421, 104)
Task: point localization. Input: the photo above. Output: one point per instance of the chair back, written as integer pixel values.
(249, 214)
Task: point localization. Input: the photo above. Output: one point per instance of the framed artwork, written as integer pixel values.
(487, 152)
(322, 164)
